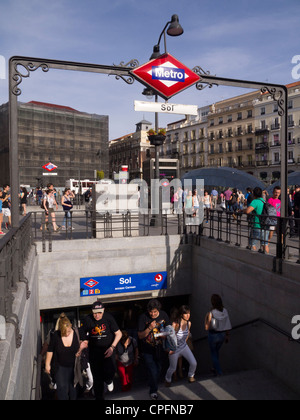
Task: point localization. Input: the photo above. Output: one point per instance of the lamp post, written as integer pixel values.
(173, 28)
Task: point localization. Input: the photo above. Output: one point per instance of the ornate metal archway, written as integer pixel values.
(21, 68)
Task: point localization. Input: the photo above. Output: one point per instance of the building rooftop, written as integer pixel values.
(54, 106)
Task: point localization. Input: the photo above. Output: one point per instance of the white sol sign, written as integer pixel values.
(165, 108)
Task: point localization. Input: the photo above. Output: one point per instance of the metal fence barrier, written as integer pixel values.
(279, 236)
(236, 229)
(15, 247)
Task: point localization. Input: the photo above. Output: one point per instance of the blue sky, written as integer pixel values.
(241, 39)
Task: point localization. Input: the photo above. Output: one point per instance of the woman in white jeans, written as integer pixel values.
(182, 326)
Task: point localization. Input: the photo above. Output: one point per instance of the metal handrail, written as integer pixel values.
(255, 321)
(14, 251)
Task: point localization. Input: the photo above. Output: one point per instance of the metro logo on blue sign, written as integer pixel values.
(168, 73)
(129, 283)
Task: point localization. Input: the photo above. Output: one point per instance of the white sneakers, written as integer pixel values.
(110, 387)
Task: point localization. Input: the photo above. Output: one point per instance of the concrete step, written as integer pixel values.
(247, 385)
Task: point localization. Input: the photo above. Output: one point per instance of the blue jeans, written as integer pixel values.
(216, 340)
(67, 219)
(65, 383)
(258, 235)
(154, 366)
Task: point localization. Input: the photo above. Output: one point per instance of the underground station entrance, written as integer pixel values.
(126, 314)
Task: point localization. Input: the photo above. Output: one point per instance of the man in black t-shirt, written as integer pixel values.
(101, 334)
(150, 324)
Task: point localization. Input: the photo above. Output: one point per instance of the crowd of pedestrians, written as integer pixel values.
(88, 358)
(263, 212)
(48, 200)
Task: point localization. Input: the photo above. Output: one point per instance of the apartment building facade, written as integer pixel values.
(187, 141)
(267, 133)
(241, 132)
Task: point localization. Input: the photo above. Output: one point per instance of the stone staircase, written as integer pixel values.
(246, 385)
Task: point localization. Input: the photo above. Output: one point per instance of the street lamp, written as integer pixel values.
(174, 29)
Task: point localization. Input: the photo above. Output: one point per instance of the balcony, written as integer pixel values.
(261, 147)
(260, 131)
(263, 163)
(275, 127)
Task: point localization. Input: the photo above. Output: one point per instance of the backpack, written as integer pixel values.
(233, 200)
(269, 215)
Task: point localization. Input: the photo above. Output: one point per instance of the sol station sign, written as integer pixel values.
(166, 75)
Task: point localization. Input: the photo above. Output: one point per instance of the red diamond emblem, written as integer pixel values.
(166, 75)
(91, 283)
(50, 167)
(159, 278)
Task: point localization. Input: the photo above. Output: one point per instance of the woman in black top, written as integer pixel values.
(63, 348)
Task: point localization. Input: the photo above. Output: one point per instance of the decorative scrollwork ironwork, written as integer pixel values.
(277, 95)
(202, 85)
(127, 78)
(132, 63)
(19, 74)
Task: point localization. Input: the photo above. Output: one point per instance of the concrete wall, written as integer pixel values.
(17, 366)
(249, 290)
(245, 281)
(61, 270)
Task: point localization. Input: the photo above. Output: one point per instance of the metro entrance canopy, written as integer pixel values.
(21, 68)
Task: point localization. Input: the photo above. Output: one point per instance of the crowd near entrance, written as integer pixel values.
(127, 316)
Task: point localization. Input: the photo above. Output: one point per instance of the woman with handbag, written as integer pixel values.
(218, 325)
(64, 352)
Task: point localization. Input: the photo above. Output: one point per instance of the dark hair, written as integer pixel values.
(153, 304)
(257, 192)
(125, 336)
(184, 309)
(176, 314)
(277, 189)
(217, 303)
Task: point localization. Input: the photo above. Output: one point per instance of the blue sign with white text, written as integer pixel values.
(129, 283)
(168, 73)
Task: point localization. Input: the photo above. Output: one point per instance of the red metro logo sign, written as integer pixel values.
(166, 75)
(50, 167)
